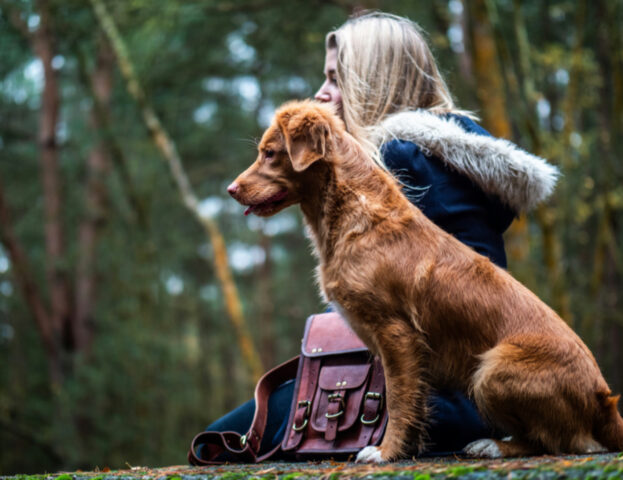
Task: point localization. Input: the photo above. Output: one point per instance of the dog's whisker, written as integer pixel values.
(254, 141)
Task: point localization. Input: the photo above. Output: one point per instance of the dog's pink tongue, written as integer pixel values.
(248, 210)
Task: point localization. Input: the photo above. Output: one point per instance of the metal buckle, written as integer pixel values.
(335, 397)
(307, 405)
(298, 429)
(369, 422)
(243, 441)
(372, 396)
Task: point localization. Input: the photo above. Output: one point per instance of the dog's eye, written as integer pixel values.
(269, 153)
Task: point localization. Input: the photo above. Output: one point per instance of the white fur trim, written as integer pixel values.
(521, 180)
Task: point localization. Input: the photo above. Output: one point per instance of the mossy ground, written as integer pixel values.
(609, 466)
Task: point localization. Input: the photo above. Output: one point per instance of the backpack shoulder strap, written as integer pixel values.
(243, 448)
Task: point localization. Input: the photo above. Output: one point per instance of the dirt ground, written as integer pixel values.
(607, 466)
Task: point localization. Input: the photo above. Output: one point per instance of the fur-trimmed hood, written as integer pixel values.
(521, 180)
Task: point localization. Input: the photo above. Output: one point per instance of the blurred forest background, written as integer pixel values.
(125, 327)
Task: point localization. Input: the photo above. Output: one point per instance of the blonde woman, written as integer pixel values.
(384, 81)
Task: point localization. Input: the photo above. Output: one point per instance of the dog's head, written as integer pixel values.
(301, 134)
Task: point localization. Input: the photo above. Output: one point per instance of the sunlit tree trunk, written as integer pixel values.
(266, 305)
(492, 97)
(489, 82)
(517, 237)
(169, 150)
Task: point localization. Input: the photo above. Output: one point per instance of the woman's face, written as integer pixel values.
(329, 92)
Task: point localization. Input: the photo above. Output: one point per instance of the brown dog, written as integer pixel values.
(436, 312)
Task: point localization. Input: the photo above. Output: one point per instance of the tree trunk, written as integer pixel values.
(488, 71)
(53, 325)
(545, 216)
(489, 82)
(95, 192)
(56, 272)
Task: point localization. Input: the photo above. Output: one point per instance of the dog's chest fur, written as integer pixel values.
(358, 241)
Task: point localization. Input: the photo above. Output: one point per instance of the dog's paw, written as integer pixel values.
(370, 455)
(485, 448)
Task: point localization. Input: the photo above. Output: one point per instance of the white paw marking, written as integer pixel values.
(593, 446)
(370, 455)
(485, 448)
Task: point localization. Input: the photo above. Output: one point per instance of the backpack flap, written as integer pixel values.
(329, 334)
(338, 398)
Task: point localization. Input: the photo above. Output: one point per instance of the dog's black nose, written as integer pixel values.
(233, 188)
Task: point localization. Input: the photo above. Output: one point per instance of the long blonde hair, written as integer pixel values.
(384, 66)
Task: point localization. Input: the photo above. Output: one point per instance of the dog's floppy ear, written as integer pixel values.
(306, 134)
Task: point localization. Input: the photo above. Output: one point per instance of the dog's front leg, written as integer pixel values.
(403, 354)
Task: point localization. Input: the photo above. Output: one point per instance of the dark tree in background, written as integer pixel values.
(117, 342)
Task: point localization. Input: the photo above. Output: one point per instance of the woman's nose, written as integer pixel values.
(322, 95)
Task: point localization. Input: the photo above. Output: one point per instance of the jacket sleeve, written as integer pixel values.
(450, 199)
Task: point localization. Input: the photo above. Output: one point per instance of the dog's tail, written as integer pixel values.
(609, 425)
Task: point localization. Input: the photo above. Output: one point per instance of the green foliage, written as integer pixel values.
(235, 475)
(292, 476)
(460, 471)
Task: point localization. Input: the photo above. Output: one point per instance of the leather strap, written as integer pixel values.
(373, 402)
(213, 445)
(308, 380)
(244, 448)
(335, 410)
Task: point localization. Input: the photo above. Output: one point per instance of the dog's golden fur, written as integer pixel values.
(436, 312)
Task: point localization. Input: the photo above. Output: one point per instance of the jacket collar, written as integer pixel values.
(521, 180)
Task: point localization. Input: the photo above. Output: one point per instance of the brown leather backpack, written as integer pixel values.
(338, 406)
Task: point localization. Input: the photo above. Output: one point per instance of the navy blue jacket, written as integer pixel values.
(450, 199)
